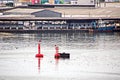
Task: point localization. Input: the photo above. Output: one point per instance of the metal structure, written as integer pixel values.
(36, 24)
(47, 13)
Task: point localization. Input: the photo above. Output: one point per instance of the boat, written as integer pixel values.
(102, 26)
(105, 29)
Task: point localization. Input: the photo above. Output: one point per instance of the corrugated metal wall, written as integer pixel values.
(86, 2)
(61, 1)
(24, 0)
(44, 1)
(35, 1)
(57, 1)
(51, 1)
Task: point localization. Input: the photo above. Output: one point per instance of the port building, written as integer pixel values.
(46, 13)
(54, 2)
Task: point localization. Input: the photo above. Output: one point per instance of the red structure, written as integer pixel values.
(57, 55)
(61, 55)
(35, 1)
(39, 55)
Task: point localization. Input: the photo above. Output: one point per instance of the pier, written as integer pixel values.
(39, 24)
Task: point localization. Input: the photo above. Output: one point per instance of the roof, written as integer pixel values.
(23, 10)
(45, 10)
(111, 10)
(54, 18)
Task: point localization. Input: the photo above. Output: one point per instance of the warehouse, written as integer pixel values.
(54, 2)
(47, 13)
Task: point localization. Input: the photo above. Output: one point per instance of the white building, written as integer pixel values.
(86, 2)
(73, 2)
(21, 2)
(112, 0)
(6, 1)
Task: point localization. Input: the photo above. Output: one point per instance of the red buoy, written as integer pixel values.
(61, 55)
(39, 55)
(57, 55)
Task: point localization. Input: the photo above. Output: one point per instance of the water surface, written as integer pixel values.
(92, 55)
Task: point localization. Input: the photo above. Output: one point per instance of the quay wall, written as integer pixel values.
(55, 24)
(42, 31)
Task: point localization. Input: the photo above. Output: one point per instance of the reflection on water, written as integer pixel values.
(39, 60)
(96, 53)
(64, 40)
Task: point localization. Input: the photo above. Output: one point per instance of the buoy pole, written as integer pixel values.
(39, 64)
(39, 52)
(57, 55)
(56, 48)
(39, 55)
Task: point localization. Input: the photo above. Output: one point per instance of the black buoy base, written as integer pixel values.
(64, 55)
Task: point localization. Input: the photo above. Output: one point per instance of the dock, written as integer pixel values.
(55, 24)
(56, 18)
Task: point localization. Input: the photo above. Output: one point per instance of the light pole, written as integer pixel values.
(1, 1)
(14, 2)
(97, 3)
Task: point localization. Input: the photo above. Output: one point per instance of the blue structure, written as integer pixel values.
(93, 23)
(111, 28)
(57, 1)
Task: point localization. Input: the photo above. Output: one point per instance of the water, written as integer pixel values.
(92, 56)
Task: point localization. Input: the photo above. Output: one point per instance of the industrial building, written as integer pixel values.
(86, 2)
(6, 1)
(24, 0)
(46, 13)
(78, 2)
(54, 2)
(50, 2)
(112, 0)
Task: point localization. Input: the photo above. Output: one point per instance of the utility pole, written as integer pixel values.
(104, 3)
(14, 2)
(6, 1)
(1, 1)
(97, 2)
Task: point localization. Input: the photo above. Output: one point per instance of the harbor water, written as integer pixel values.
(93, 56)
